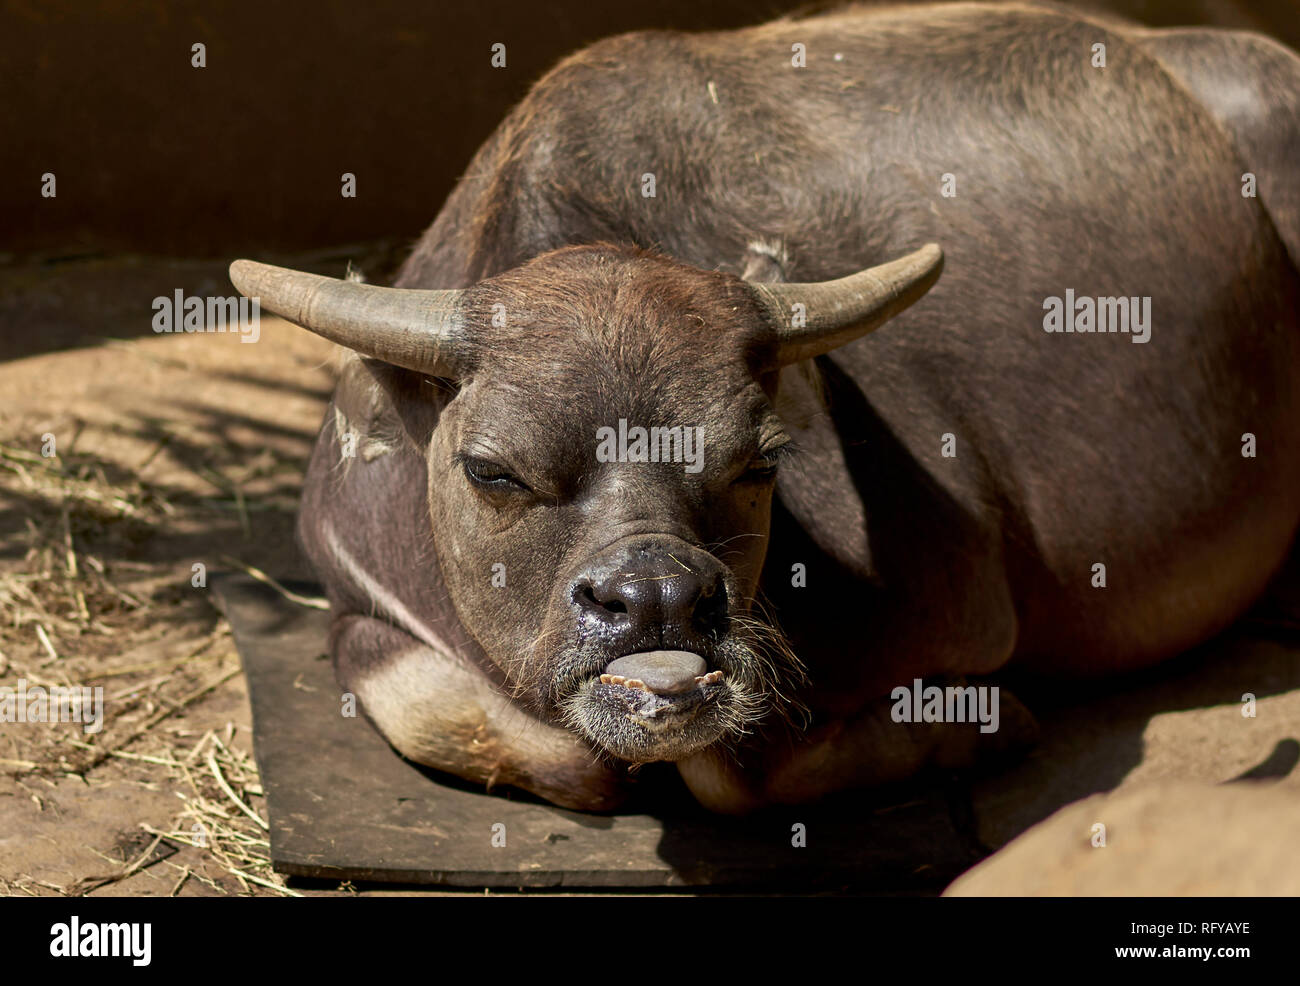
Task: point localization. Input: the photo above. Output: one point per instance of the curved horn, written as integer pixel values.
(420, 330)
(839, 311)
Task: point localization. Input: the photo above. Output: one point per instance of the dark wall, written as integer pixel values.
(154, 156)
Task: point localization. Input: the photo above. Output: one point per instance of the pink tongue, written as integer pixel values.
(666, 672)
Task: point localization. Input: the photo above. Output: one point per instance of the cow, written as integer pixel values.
(619, 470)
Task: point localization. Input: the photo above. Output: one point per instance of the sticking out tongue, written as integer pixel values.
(664, 672)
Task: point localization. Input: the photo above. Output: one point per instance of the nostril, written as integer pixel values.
(585, 596)
(711, 609)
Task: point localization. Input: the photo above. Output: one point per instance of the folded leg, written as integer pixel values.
(443, 713)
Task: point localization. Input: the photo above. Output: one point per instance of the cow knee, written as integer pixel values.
(440, 712)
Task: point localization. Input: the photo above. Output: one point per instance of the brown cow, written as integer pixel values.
(620, 474)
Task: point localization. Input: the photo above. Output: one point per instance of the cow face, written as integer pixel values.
(600, 484)
(600, 490)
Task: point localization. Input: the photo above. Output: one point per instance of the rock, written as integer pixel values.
(1183, 840)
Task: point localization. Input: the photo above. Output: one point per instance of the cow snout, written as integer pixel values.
(654, 598)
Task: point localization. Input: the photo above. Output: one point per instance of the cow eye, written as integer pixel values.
(760, 470)
(490, 476)
(764, 466)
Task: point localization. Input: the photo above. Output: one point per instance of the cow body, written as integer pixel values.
(961, 473)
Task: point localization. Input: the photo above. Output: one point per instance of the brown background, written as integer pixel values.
(155, 157)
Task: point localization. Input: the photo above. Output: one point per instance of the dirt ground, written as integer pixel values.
(177, 450)
(172, 451)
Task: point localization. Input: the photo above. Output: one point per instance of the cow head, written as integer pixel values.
(601, 471)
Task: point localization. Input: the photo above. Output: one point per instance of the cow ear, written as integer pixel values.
(808, 319)
(381, 408)
(765, 262)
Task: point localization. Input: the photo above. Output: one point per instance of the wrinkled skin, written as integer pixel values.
(562, 516)
(1069, 450)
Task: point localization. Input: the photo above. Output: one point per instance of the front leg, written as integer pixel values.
(441, 712)
(869, 749)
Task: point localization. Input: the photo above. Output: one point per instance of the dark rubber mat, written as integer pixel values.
(344, 805)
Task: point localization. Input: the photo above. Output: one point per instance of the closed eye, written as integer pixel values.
(490, 476)
(764, 466)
